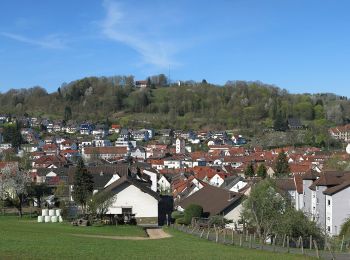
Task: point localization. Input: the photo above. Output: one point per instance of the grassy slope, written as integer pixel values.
(23, 239)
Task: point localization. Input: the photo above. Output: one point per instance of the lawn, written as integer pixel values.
(25, 239)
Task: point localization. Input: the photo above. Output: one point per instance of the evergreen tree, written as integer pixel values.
(280, 124)
(249, 171)
(83, 185)
(67, 113)
(12, 134)
(281, 165)
(262, 171)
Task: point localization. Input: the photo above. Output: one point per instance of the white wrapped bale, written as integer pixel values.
(60, 219)
(58, 212)
(52, 212)
(40, 219)
(54, 219)
(47, 219)
(45, 212)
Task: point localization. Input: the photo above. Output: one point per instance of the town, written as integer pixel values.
(154, 172)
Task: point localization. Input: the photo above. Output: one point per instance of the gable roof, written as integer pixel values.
(126, 179)
(335, 189)
(213, 200)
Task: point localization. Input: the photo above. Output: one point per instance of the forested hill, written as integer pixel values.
(191, 105)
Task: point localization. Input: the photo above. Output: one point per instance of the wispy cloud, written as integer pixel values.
(139, 34)
(52, 41)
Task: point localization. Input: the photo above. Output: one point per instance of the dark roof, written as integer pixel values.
(213, 200)
(109, 170)
(294, 122)
(285, 184)
(61, 171)
(336, 189)
(310, 175)
(127, 180)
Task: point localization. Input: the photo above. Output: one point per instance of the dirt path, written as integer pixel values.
(153, 233)
(157, 233)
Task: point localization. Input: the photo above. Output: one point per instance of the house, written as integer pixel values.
(234, 183)
(86, 129)
(100, 130)
(180, 145)
(337, 206)
(49, 161)
(114, 129)
(110, 152)
(341, 133)
(101, 143)
(326, 181)
(133, 197)
(140, 135)
(124, 133)
(166, 132)
(52, 177)
(138, 153)
(292, 187)
(164, 185)
(141, 84)
(294, 123)
(103, 175)
(216, 201)
(124, 142)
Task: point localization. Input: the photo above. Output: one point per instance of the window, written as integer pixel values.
(329, 202)
(329, 229)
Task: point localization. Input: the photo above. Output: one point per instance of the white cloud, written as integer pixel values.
(137, 33)
(52, 41)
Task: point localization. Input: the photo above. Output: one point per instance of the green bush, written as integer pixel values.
(180, 221)
(345, 228)
(177, 214)
(217, 220)
(192, 211)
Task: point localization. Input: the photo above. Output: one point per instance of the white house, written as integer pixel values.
(163, 184)
(131, 196)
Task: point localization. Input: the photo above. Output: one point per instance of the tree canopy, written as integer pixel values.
(83, 185)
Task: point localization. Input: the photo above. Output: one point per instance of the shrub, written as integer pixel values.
(217, 220)
(177, 214)
(345, 228)
(192, 211)
(180, 221)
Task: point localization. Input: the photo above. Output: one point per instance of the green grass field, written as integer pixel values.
(26, 239)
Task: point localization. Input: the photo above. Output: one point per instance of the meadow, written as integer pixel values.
(26, 239)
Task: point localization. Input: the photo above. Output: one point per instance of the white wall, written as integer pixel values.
(142, 204)
(153, 177)
(234, 214)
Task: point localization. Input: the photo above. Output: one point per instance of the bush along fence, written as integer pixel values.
(281, 243)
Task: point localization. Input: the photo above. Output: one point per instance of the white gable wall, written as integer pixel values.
(142, 204)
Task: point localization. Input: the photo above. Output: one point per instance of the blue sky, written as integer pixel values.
(299, 45)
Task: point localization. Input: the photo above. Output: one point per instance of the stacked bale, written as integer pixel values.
(52, 215)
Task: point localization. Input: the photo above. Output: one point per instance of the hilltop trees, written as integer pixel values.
(250, 105)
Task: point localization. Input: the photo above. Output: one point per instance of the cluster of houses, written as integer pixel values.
(144, 168)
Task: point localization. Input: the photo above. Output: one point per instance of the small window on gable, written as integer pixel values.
(329, 202)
